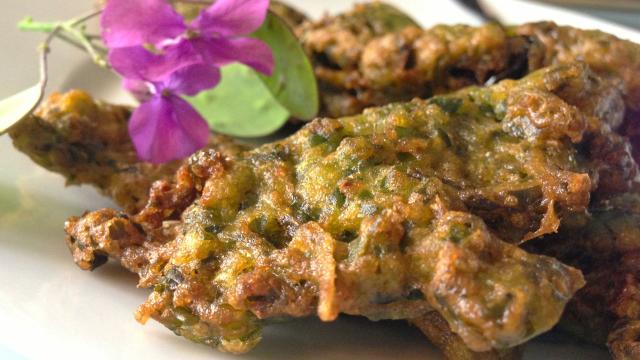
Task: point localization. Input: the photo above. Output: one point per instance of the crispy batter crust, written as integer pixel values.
(436, 328)
(606, 54)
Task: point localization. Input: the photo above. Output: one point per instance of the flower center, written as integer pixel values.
(191, 34)
(152, 49)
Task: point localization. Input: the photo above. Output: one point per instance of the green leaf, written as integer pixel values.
(293, 82)
(241, 105)
(17, 107)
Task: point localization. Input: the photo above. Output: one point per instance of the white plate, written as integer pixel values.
(51, 309)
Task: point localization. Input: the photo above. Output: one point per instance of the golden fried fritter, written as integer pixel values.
(384, 67)
(371, 215)
(87, 141)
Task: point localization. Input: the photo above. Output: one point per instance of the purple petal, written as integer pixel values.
(252, 52)
(167, 128)
(192, 79)
(232, 17)
(137, 22)
(139, 88)
(137, 62)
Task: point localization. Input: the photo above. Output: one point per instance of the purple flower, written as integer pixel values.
(165, 127)
(161, 57)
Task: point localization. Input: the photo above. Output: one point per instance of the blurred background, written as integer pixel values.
(626, 12)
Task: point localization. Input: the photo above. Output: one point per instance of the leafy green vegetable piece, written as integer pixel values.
(317, 139)
(448, 104)
(293, 82)
(404, 132)
(337, 198)
(404, 156)
(459, 231)
(445, 137)
(185, 316)
(17, 107)
(241, 105)
(365, 195)
(347, 236)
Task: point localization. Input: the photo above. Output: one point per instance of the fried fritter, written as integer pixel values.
(350, 86)
(359, 65)
(369, 215)
(375, 54)
(362, 58)
(87, 141)
(605, 245)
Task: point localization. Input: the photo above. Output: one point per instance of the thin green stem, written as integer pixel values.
(69, 40)
(97, 57)
(27, 24)
(45, 48)
(85, 17)
(93, 37)
(72, 32)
